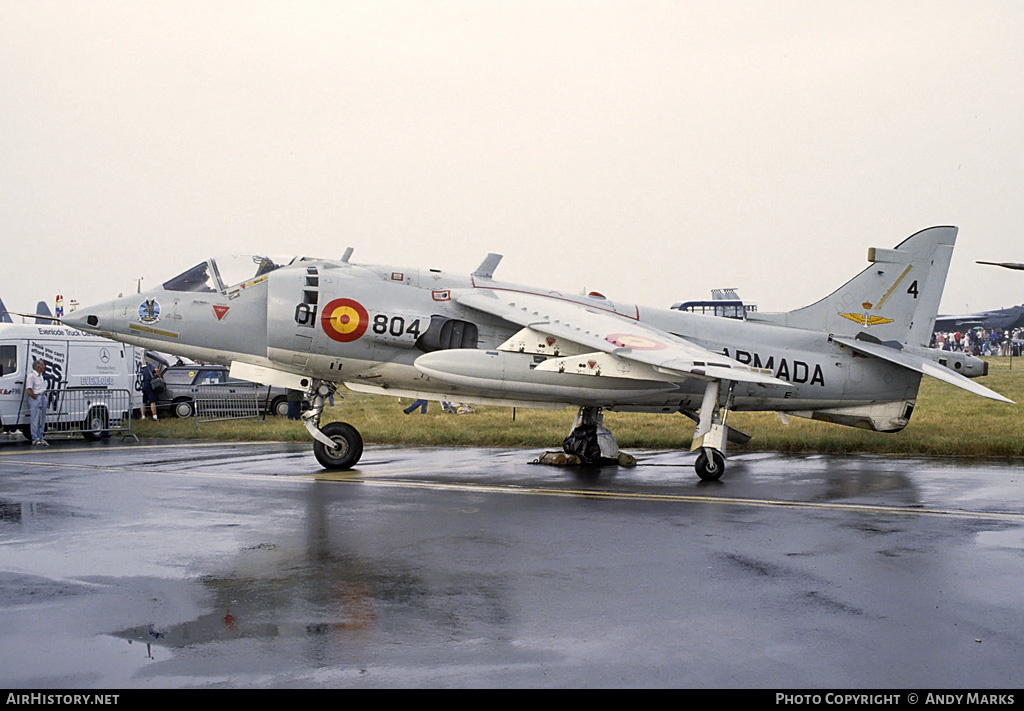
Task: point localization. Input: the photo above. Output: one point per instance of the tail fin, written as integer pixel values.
(894, 299)
(42, 310)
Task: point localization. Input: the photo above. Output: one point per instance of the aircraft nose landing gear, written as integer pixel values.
(336, 445)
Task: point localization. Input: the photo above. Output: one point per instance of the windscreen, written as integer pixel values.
(223, 273)
(197, 278)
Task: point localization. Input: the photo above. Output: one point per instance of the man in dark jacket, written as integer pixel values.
(148, 394)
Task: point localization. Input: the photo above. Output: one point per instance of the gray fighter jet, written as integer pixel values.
(855, 357)
(1008, 265)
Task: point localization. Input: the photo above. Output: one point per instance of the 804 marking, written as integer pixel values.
(382, 325)
(395, 326)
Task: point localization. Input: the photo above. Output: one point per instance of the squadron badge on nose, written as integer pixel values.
(149, 311)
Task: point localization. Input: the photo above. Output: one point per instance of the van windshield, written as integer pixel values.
(8, 360)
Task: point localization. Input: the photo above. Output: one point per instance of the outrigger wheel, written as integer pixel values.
(348, 446)
(710, 464)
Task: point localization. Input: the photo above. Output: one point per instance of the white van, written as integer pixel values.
(92, 383)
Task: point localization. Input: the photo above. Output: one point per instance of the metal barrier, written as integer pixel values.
(94, 413)
(225, 401)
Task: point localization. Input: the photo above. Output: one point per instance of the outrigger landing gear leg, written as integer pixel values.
(589, 439)
(337, 445)
(711, 433)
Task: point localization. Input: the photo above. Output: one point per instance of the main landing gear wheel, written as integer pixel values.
(347, 450)
(710, 465)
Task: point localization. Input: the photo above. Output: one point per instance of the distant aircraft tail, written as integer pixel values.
(43, 315)
(4, 316)
(894, 299)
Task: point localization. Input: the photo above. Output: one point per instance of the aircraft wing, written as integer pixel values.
(921, 365)
(669, 356)
(1008, 265)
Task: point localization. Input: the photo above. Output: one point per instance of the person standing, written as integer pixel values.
(422, 404)
(35, 386)
(148, 393)
(294, 404)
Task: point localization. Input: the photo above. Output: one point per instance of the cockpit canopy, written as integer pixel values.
(223, 273)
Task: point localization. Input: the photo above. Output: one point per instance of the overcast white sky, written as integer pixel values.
(648, 150)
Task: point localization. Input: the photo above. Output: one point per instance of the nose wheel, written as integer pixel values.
(336, 445)
(347, 448)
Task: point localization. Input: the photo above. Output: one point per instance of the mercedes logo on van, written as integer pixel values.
(104, 355)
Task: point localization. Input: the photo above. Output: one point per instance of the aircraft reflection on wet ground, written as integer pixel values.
(184, 565)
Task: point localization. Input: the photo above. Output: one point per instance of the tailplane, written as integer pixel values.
(895, 299)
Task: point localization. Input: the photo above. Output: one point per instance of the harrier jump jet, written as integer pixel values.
(855, 357)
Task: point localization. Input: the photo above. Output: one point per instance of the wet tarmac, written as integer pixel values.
(172, 564)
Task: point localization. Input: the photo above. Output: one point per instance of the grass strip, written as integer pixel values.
(946, 422)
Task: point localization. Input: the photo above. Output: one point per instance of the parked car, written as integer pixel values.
(180, 379)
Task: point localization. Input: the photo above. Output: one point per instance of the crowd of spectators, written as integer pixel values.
(981, 342)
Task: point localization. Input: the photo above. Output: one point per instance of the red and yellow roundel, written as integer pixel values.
(344, 320)
(640, 343)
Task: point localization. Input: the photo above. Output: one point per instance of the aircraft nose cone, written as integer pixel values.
(92, 318)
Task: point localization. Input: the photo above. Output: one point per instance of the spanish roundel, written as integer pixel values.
(344, 320)
(637, 343)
